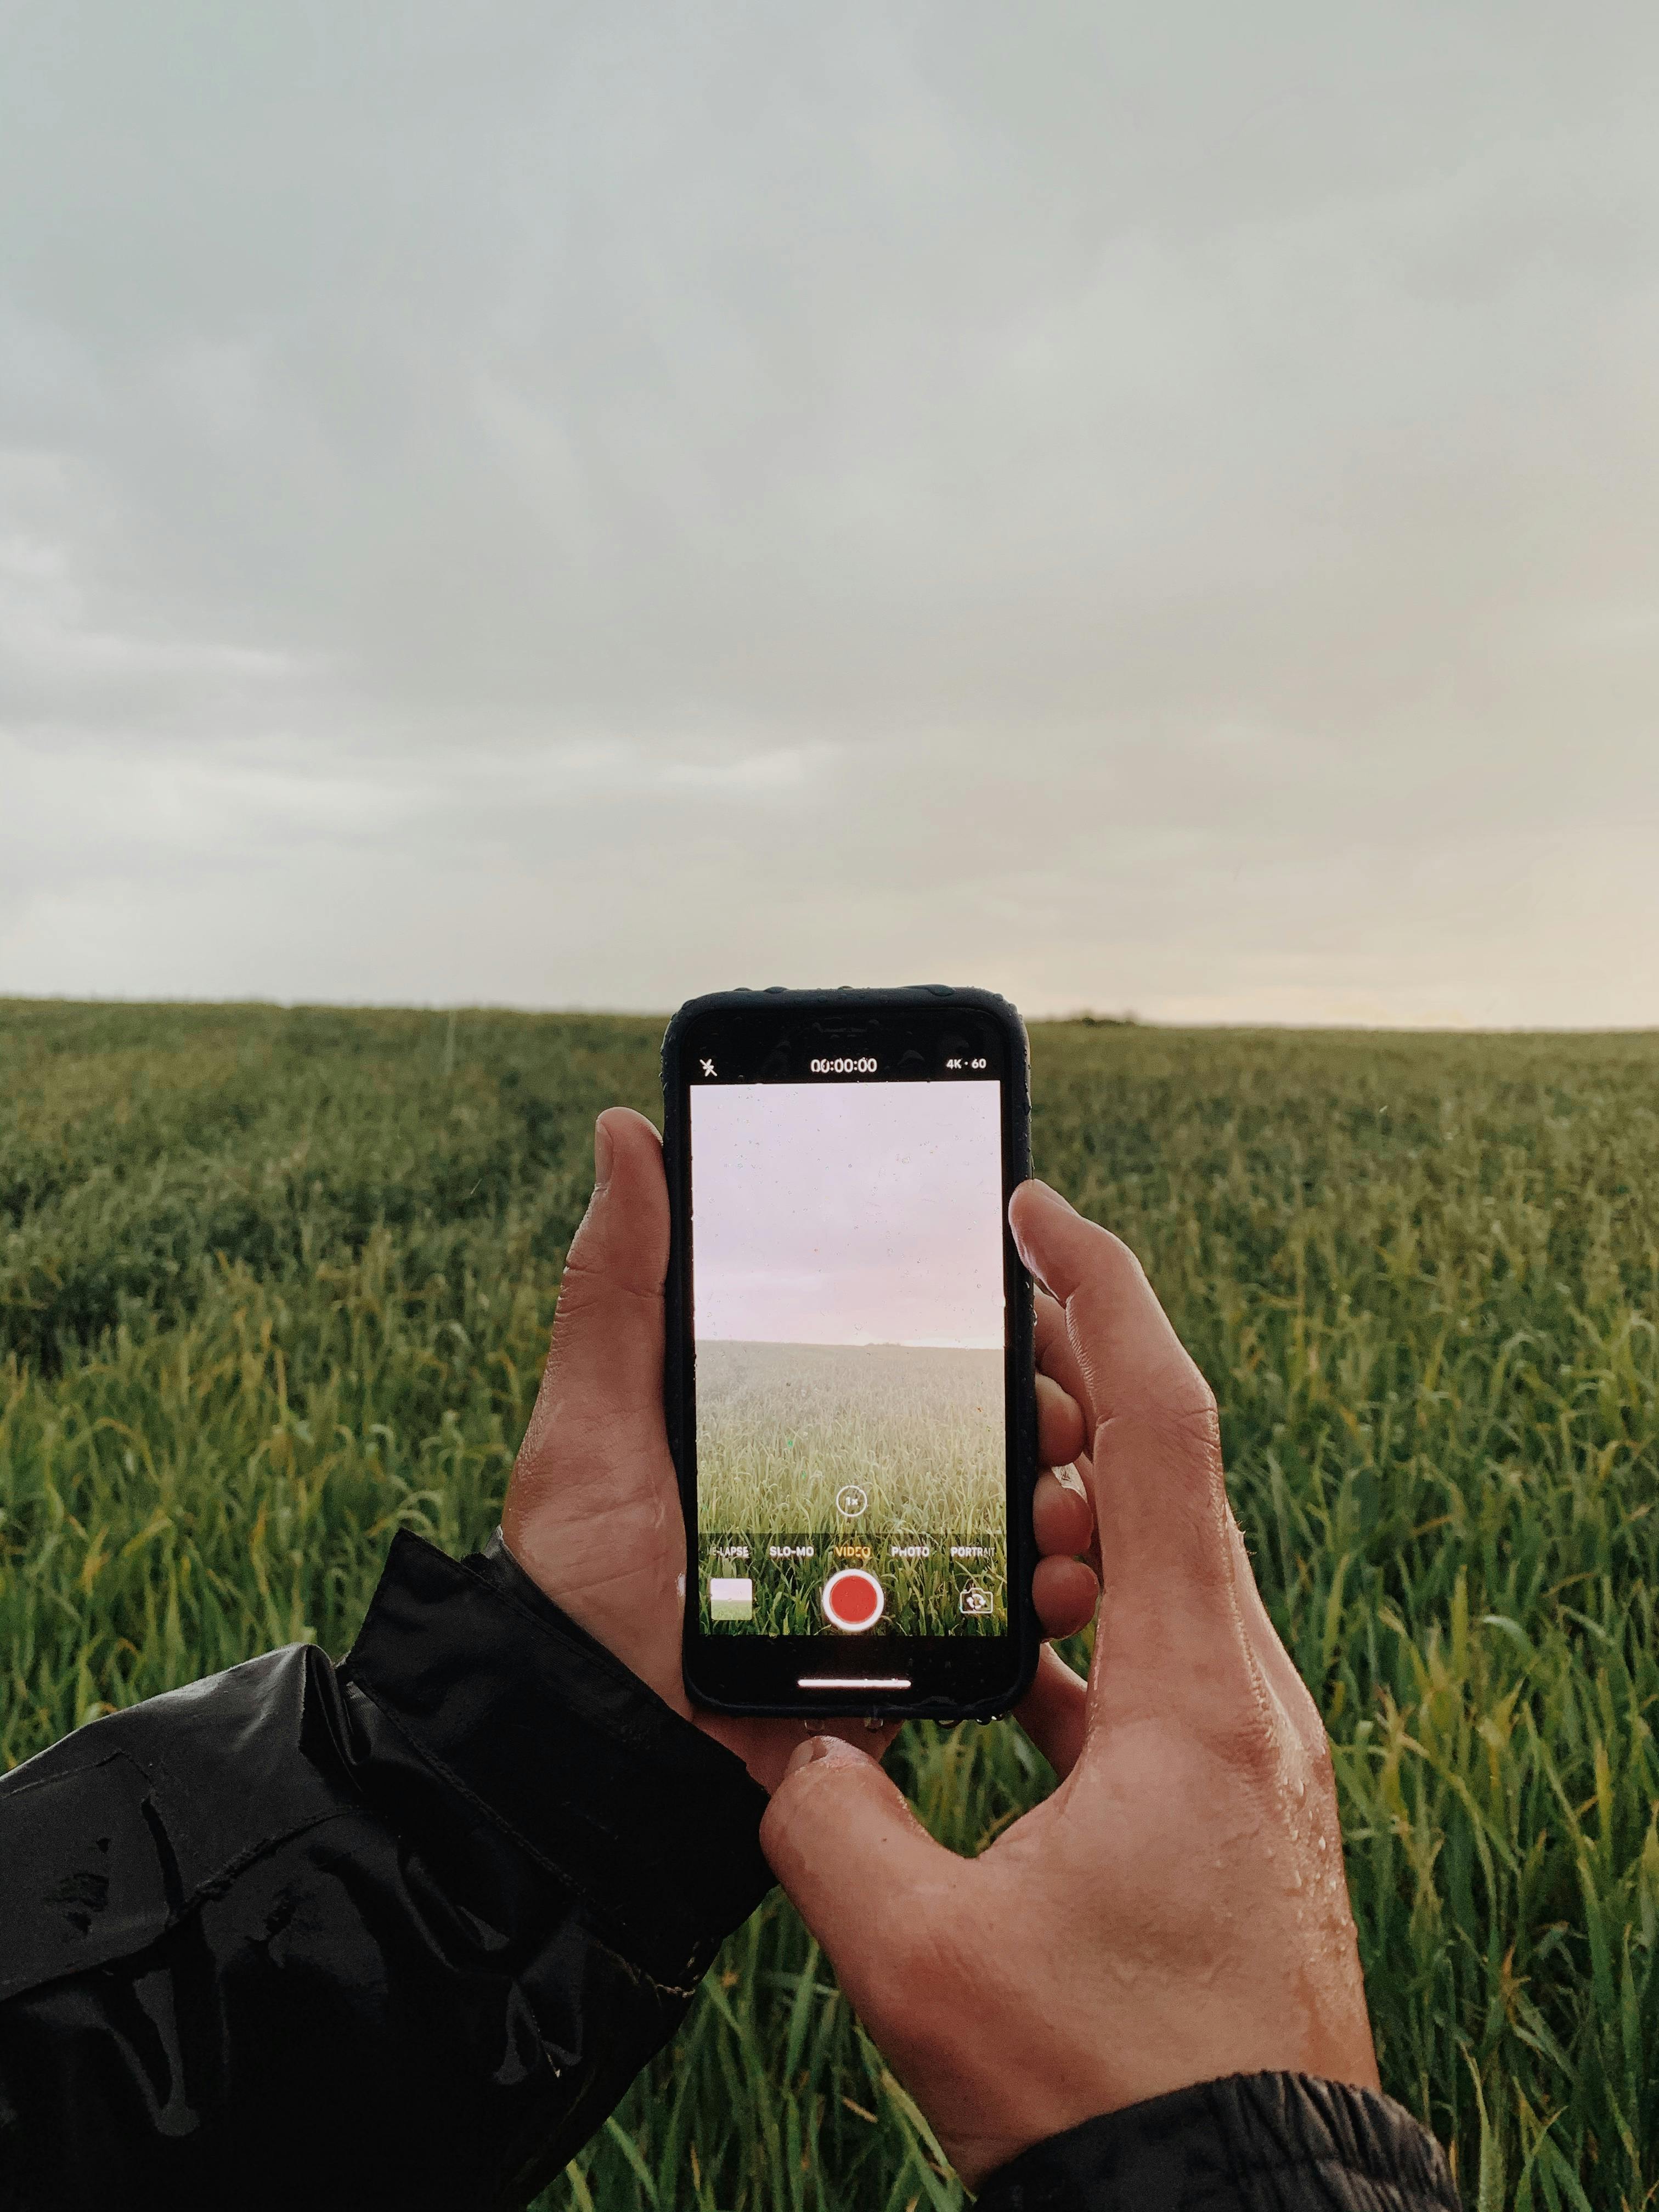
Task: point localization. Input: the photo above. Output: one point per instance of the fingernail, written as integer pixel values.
(815, 1747)
(601, 1150)
(1069, 1479)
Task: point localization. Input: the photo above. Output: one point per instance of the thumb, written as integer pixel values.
(857, 1864)
(593, 1470)
(605, 1372)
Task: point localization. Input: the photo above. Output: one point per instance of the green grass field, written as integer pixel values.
(274, 1283)
(781, 1428)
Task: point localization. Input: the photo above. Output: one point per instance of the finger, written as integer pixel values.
(1128, 1355)
(1079, 1480)
(873, 1739)
(599, 1410)
(1056, 1355)
(1061, 1516)
(1170, 1611)
(605, 1363)
(852, 1858)
(1053, 1711)
(1065, 1593)
(1059, 1424)
(766, 1747)
(621, 1241)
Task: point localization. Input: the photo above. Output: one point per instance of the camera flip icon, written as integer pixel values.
(973, 1599)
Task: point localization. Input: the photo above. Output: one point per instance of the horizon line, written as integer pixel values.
(1083, 1018)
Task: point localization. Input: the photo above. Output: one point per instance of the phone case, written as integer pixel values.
(1022, 1543)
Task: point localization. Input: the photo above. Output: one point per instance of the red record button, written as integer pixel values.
(854, 1599)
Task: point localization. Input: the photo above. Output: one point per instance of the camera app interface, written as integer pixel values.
(848, 1300)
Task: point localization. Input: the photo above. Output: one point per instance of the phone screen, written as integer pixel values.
(848, 1311)
(846, 1285)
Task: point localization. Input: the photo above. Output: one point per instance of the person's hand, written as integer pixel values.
(1176, 1911)
(593, 1512)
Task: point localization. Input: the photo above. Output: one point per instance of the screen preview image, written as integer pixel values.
(848, 1314)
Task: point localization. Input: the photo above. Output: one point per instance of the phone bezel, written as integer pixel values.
(952, 1678)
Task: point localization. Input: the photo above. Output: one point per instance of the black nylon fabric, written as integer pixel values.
(400, 1934)
(397, 1933)
(1253, 2142)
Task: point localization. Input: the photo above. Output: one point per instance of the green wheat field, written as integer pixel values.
(275, 1284)
(782, 1429)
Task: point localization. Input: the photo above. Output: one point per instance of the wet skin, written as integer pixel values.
(1176, 1911)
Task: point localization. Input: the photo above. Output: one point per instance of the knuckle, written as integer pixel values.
(1183, 1414)
(910, 1956)
(582, 1277)
(1110, 1242)
(1284, 1747)
(588, 1286)
(1316, 1750)
(927, 1950)
(1259, 1755)
(1238, 1730)
(934, 1975)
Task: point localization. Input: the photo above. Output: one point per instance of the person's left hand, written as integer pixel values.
(593, 1512)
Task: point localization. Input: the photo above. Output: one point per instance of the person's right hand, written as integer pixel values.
(1176, 1911)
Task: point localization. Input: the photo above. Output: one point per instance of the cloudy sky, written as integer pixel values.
(574, 505)
(847, 1212)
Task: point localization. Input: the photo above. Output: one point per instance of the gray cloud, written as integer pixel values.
(558, 506)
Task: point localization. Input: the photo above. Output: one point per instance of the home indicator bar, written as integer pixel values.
(852, 1681)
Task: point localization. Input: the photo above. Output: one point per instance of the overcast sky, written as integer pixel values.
(847, 1212)
(1137, 505)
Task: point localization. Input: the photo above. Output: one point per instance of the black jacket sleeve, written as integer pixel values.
(397, 1933)
(400, 1934)
(1255, 2142)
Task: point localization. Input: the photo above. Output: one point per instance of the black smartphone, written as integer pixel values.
(849, 1373)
